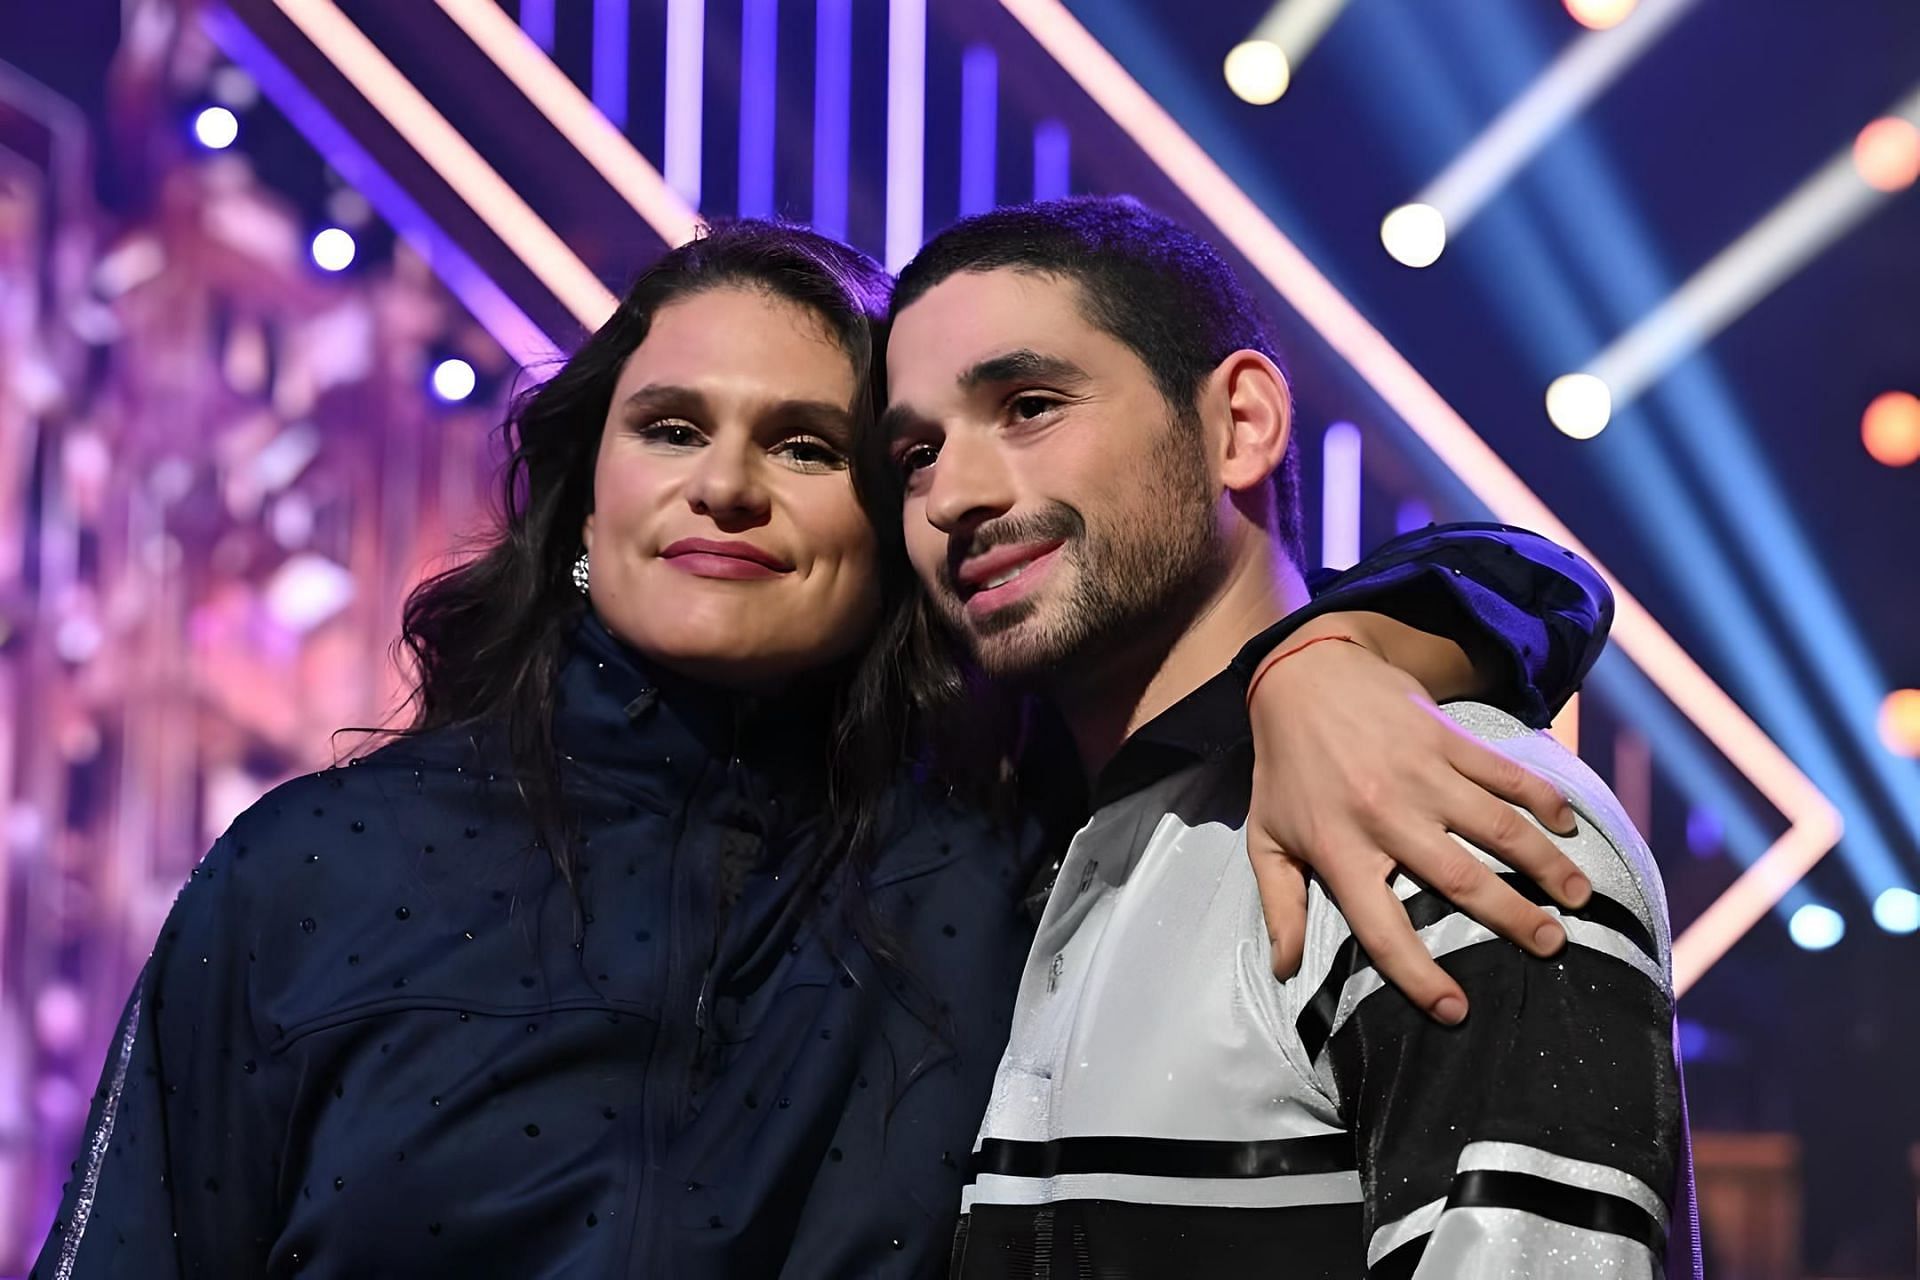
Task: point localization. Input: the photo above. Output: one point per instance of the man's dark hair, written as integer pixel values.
(1144, 279)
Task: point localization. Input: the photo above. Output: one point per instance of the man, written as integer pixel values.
(1165, 1106)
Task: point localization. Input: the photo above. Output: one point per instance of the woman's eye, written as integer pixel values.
(813, 454)
(1027, 408)
(670, 432)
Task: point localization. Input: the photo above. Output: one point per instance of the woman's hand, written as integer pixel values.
(1358, 774)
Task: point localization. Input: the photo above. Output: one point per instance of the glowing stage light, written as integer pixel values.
(1600, 14)
(1815, 928)
(216, 128)
(1900, 722)
(1580, 405)
(1890, 428)
(333, 249)
(1578, 75)
(1414, 234)
(1258, 72)
(1821, 210)
(454, 380)
(1886, 154)
(1897, 910)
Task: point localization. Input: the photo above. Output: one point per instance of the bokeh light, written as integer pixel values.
(1580, 405)
(1886, 154)
(454, 380)
(333, 249)
(1414, 234)
(1815, 928)
(1890, 428)
(1600, 14)
(1897, 910)
(1900, 722)
(1258, 72)
(216, 128)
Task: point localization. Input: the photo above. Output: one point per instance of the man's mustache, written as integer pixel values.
(1058, 522)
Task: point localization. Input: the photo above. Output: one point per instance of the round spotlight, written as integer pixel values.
(1900, 722)
(1815, 928)
(216, 128)
(1890, 428)
(454, 380)
(1600, 14)
(1897, 910)
(1886, 154)
(1257, 71)
(1414, 234)
(1580, 405)
(333, 249)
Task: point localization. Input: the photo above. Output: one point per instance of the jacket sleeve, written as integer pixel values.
(1532, 615)
(1542, 1138)
(177, 1170)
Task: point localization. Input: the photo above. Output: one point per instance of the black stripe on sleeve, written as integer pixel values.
(1426, 908)
(1167, 1157)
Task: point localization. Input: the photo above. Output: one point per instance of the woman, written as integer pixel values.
(618, 961)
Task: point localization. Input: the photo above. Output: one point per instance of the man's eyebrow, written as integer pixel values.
(1023, 365)
(899, 419)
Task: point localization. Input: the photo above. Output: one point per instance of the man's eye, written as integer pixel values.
(1030, 407)
(917, 458)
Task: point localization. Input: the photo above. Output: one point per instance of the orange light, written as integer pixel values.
(1887, 154)
(1600, 14)
(1891, 428)
(1900, 722)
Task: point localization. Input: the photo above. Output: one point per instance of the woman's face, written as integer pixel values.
(726, 541)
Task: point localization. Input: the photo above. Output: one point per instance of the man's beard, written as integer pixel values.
(1133, 580)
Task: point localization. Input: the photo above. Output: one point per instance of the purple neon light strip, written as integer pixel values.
(1052, 161)
(686, 50)
(759, 65)
(979, 123)
(536, 19)
(612, 51)
(906, 128)
(832, 104)
(529, 346)
(1340, 496)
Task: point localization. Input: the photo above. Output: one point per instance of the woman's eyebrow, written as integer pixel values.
(663, 397)
(818, 417)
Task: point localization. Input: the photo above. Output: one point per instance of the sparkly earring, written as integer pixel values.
(580, 576)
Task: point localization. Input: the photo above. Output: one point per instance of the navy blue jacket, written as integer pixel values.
(368, 1043)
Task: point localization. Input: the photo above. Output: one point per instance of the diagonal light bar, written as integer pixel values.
(1823, 208)
(571, 112)
(1814, 822)
(1582, 71)
(453, 158)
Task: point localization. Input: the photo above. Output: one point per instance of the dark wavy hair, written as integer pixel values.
(487, 638)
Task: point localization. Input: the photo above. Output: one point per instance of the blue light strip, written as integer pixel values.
(612, 53)
(979, 126)
(524, 341)
(536, 19)
(832, 105)
(1052, 161)
(759, 67)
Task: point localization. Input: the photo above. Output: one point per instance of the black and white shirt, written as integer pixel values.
(1165, 1107)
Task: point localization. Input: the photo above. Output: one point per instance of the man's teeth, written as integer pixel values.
(1007, 577)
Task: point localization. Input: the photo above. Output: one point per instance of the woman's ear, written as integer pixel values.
(1259, 419)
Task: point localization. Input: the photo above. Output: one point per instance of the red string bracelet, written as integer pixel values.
(1281, 657)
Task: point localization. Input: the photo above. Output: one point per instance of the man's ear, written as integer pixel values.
(1259, 419)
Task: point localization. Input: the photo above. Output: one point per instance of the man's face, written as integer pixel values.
(1056, 508)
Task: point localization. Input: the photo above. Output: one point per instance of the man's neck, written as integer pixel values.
(1107, 701)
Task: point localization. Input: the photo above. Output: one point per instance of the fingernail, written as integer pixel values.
(1576, 891)
(1568, 825)
(1451, 1010)
(1549, 938)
